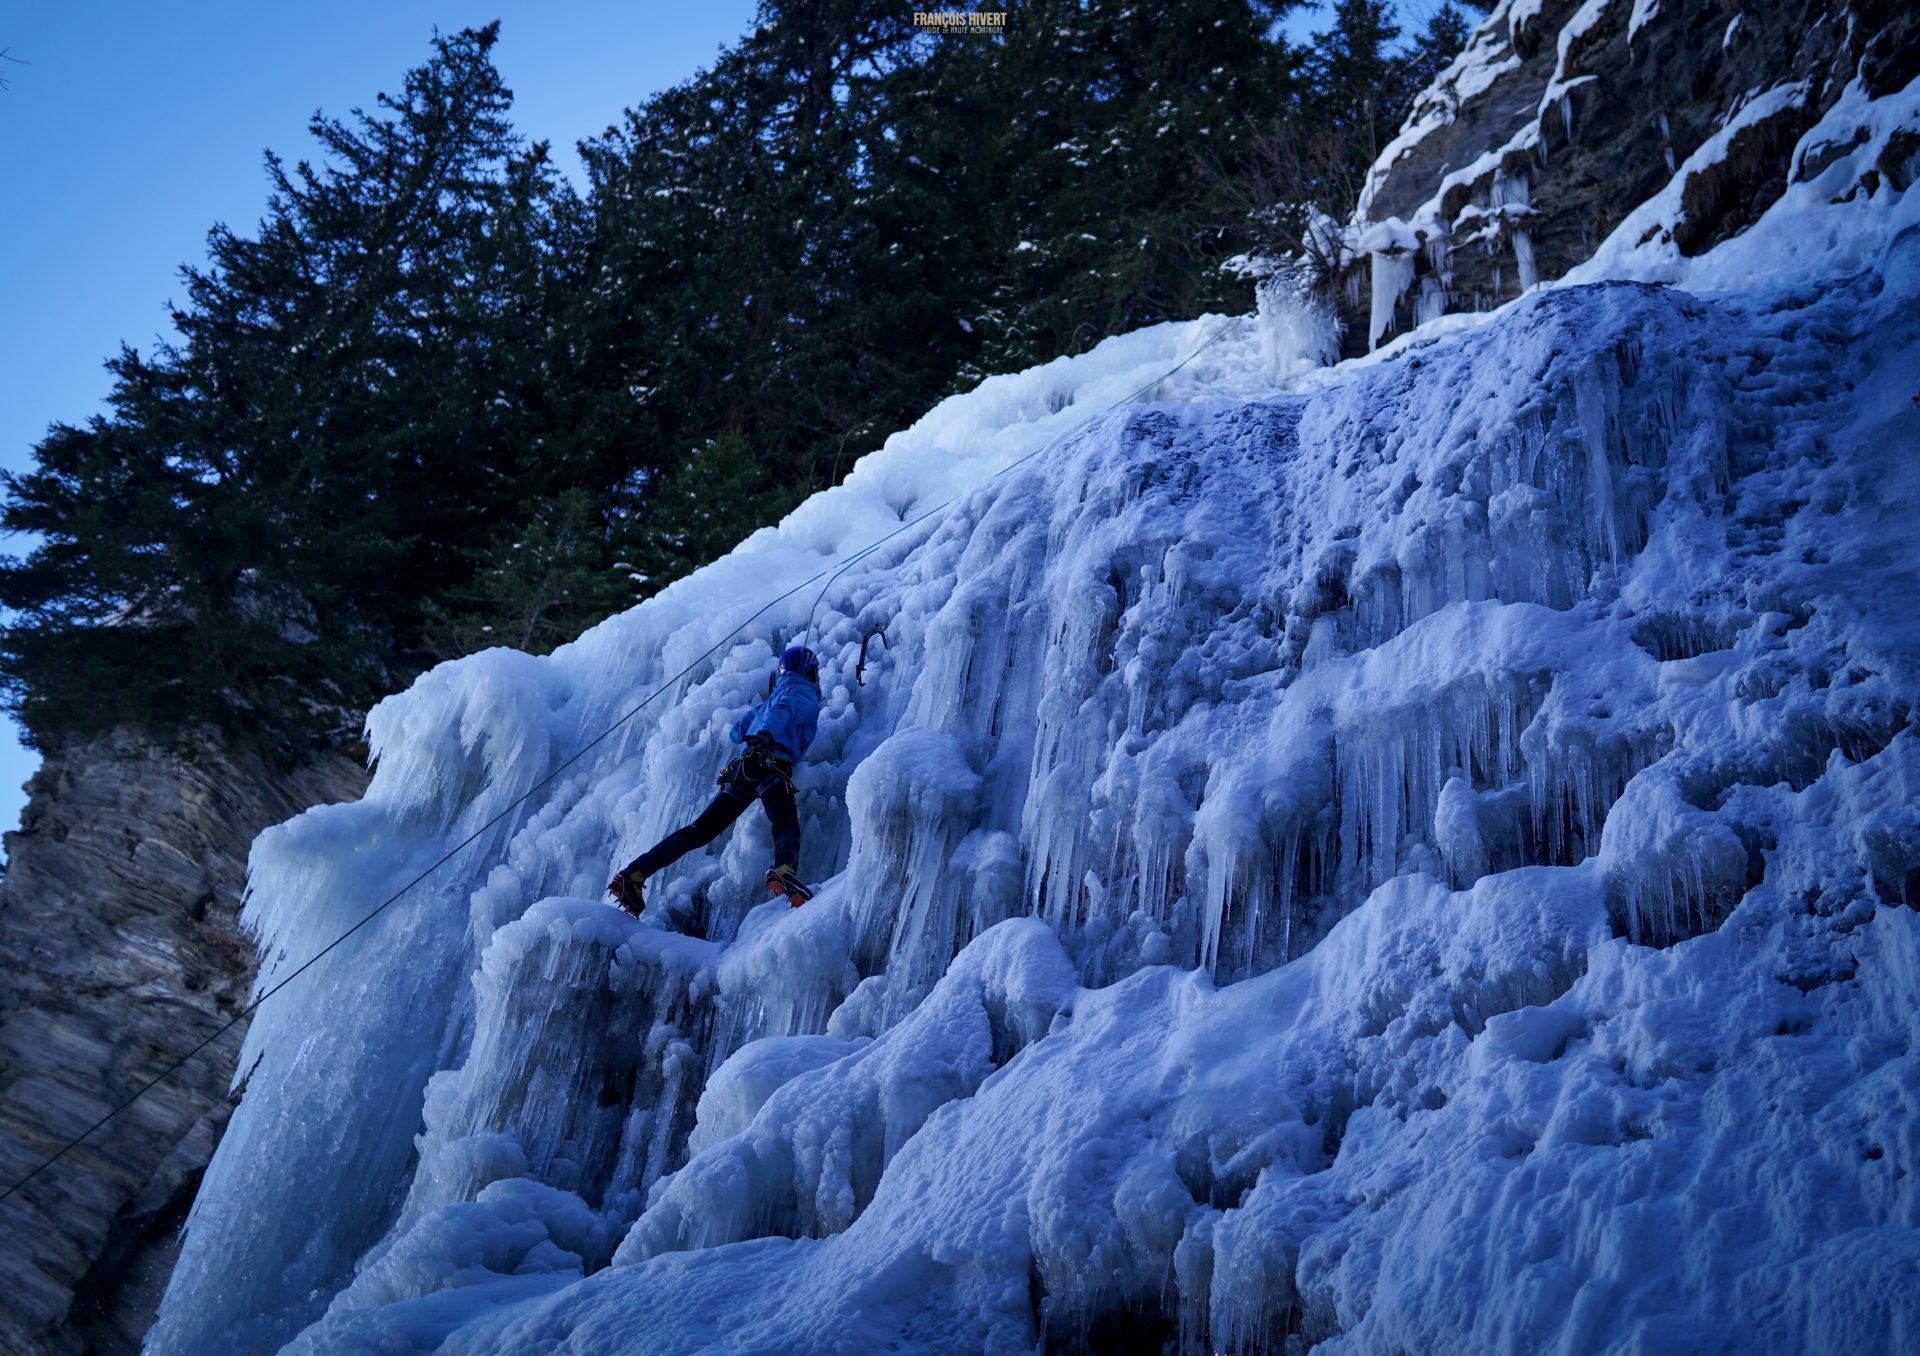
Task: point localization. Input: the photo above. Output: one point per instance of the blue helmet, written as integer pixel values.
(799, 659)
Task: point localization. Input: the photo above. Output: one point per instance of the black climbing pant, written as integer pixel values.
(737, 792)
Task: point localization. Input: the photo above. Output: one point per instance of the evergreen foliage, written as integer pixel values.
(1310, 157)
(539, 589)
(352, 403)
(438, 400)
(1102, 121)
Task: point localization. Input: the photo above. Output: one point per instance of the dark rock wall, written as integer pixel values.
(1588, 118)
(119, 952)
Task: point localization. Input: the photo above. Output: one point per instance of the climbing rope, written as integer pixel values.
(829, 575)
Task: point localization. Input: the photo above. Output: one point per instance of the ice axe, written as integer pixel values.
(860, 669)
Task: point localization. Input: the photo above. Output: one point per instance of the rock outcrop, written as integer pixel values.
(118, 922)
(1562, 116)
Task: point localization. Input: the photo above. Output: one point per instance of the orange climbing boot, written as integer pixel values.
(783, 880)
(625, 889)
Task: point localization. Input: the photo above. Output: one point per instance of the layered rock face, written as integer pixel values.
(1562, 116)
(118, 924)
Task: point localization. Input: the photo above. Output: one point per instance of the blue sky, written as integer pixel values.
(135, 127)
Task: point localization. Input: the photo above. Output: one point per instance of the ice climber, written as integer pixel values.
(776, 733)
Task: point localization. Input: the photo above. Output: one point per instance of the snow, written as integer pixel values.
(1804, 243)
(1478, 66)
(1405, 856)
(1644, 13)
(1521, 14)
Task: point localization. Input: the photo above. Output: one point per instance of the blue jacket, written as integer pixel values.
(789, 716)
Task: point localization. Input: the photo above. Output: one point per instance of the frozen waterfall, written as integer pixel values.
(1402, 857)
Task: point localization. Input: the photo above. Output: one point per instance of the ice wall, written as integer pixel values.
(1411, 857)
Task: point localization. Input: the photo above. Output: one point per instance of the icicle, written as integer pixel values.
(915, 799)
(1392, 272)
(1439, 247)
(1523, 258)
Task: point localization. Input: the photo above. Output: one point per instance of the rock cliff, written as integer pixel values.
(1562, 116)
(118, 921)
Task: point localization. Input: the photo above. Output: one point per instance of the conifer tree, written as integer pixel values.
(245, 536)
(1437, 44)
(1105, 118)
(436, 398)
(1357, 81)
(538, 584)
(1311, 158)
